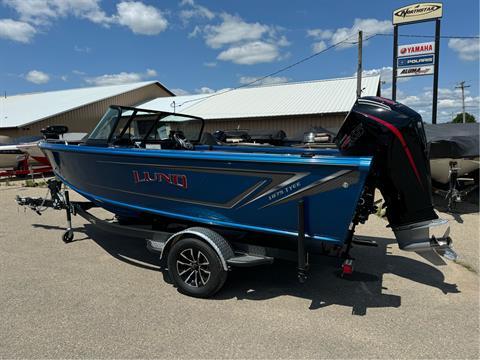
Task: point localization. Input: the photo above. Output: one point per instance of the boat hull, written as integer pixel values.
(254, 192)
(10, 156)
(440, 168)
(34, 152)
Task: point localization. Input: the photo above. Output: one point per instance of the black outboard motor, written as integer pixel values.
(394, 136)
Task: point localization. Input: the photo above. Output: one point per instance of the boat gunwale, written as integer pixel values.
(216, 155)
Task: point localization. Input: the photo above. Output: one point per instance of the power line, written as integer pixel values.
(344, 41)
(433, 36)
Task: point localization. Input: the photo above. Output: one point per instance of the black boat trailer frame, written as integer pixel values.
(232, 254)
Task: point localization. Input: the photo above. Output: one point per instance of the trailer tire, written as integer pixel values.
(195, 268)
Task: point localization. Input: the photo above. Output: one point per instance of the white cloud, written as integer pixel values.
(42, 12)
(150, 73)
(232, 29)
(137, 16)
(242, 42)
(320, 34)
(140, 18)
(16, 30)
(267, 81)
(121, 78)
(319, 46)
(250, 53)
(195, 11)
(204, 90)
(368, 26)
(449, 103)
(84, 49)
(467, 49)
(180, 92)
(37, 77)
(385, 73)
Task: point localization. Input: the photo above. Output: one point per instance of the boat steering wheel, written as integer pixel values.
(181, 141)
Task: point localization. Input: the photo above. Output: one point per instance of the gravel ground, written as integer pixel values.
(105, 297)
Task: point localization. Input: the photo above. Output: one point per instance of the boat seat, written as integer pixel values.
(209, 139)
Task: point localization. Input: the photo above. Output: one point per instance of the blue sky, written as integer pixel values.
(195, 46)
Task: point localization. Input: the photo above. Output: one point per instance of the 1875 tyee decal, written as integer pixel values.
(178, 180)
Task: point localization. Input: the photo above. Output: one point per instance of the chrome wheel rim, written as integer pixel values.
(193, 267)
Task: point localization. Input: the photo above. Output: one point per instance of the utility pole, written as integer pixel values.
(463, 86)
(359, 68)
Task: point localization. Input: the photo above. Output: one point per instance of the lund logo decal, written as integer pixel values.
(171, 179)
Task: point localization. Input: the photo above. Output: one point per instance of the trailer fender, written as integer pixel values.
(214, 239)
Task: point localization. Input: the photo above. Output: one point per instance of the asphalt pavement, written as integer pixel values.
(103, 296)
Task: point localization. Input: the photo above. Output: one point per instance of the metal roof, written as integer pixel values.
(301, 98)
(24, 109)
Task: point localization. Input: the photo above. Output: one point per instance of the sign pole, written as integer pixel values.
(435, 71)
(394, 71)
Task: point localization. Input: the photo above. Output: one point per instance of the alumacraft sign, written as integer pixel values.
(417, 12)
(416, 49)
(415, 71)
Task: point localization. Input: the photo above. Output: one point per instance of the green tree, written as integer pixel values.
(469, 118)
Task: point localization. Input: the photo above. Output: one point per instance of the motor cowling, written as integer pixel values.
(394, 136)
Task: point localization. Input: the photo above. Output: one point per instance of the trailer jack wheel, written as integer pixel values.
(67, 236)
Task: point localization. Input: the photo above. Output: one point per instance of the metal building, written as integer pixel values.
(291, 107)
(79, 109)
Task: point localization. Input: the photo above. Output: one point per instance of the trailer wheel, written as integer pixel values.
(195, 268)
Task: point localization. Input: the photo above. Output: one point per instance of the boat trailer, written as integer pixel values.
(24, 168)
(231, 253)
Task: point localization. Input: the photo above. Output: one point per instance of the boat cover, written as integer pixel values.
(453, 141)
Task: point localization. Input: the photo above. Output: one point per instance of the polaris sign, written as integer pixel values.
(416, 61)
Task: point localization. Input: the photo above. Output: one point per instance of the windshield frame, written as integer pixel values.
(160, 115)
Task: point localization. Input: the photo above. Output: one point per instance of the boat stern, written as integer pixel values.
(394, 135)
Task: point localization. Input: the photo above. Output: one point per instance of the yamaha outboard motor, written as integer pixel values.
(394, 136)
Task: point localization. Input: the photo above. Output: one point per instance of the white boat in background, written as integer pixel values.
(452, 145)
(440, 168)
(14, 151)
(454, 159)
(10, 156)
(36, 154)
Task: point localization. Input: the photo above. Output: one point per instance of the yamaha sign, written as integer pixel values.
(416, 49)
(417, 12)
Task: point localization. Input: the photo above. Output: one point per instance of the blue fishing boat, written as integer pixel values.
(160, 167)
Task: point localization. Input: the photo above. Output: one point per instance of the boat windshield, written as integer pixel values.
(124, 125)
